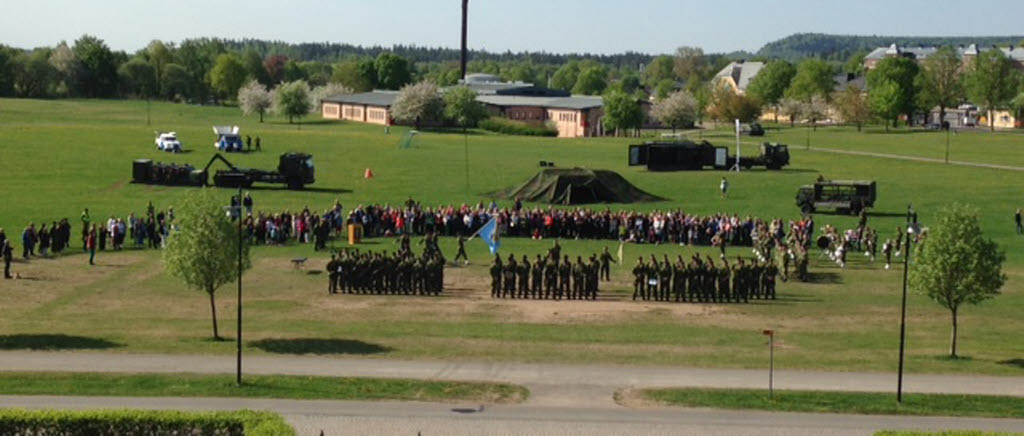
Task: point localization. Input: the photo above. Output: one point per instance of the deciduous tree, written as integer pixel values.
(813, 78)
(679, 109)
(292, 100)
(900, 72)
(885, 101)
(853, 106)
(621, 111)
(418, 102)
(228, 75)
(462, 107)
(941, 81)
(591, 81)
(203, 250)
(770, 84)
(254, 98)
(957, 265)
(393, 71)
(991, 82)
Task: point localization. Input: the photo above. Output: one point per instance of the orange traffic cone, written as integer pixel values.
(368, 174)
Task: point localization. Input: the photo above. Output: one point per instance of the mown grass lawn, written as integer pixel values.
(58, 157)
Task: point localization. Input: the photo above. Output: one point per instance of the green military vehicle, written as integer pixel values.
(843, 196)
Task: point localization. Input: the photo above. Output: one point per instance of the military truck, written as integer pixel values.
(843, 196)
(294, 170)
(689, 155)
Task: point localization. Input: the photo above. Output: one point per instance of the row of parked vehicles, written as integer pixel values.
(228, 139)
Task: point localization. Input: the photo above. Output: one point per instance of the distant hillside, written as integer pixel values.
(840, 47)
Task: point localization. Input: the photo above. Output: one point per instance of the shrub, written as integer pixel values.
(133, 422)
(510, 127)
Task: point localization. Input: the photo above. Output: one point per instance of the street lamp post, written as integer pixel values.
(912, 228)
(238, 342)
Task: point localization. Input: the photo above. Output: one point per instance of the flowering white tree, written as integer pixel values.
(418, 102)
(254, 98)
(679, 109)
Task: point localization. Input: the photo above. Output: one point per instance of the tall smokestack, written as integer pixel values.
(465, 10)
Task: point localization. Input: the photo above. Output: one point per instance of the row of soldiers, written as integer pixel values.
(383, 273)
(701, 280)
(549, 277)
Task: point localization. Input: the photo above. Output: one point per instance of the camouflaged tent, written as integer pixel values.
(578, 186)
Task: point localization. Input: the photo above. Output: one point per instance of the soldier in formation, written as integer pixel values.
(701, 280)
(384, 273)
(546, 278)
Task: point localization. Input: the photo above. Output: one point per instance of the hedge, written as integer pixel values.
(137, 422)
(510, 127)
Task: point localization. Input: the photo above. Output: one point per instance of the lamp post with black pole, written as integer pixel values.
(238, 340)
(912, 229)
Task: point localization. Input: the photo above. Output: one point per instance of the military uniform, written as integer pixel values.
(496, 275)
(536, 277)
(564, 272)
(639, 279)
(509, 277)
(332, 275)
(523, 278)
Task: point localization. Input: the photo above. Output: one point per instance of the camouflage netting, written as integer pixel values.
(578, 186)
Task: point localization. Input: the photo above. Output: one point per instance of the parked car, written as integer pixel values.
(168, 141)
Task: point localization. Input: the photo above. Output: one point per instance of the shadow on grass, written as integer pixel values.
(953, 359)
(795, 298)
(54, 342)
(887, 214)
(829, 278)
(318, 346)
(1019, 363)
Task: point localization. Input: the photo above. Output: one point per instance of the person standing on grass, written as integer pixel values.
(8, 254)
(1020, 229)
(85, 227)
(724, 186)
(28, 241)
(90, 244)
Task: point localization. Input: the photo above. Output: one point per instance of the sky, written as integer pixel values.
(556, 26)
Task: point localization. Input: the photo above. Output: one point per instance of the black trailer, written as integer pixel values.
(689, 155)
(294, 170)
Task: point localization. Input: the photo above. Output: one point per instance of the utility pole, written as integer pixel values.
(465, 12)
(947, 145)
(912, 228)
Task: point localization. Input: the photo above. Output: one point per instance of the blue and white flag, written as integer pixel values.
(489, 233)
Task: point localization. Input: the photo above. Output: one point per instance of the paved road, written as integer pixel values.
(918, 159)
(396, 418)
(549, 384)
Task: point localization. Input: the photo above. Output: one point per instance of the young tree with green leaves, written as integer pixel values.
(203, 250)
(292, 100)
(885, 101)
(418, 102)
(900, 72)
(813, 78)
(360, 75)
(769, 85)
(940, 81)
(461, 106)
(991, 82)
(621, 112)
(228, 75)
(853, 106)
(957, 265)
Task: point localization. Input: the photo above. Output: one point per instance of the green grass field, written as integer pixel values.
(256, 386)
(868, 403)
(60, 156)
